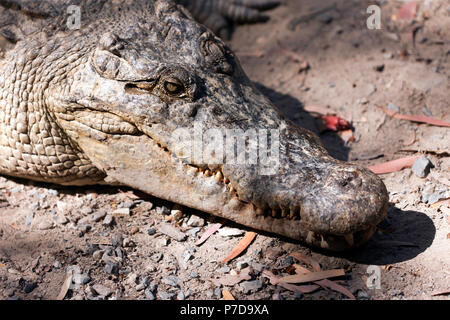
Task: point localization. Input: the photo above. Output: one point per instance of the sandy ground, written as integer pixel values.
(46, 230)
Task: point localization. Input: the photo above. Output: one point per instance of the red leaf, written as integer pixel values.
(208, 233)
(394, 165)
(416, 118)
(335, 123)
(408, 11)
(242, 245)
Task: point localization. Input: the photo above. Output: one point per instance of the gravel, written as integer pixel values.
(172, 232)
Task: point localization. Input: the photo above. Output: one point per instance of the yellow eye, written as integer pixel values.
(173, 87)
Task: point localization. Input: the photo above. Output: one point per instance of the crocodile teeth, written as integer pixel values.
(208, 173)
(259, 212)
(232, 190)
(284, 213)
(218, 176)
(310, 237)
(349, 239)
(274, 213)
(292, 214)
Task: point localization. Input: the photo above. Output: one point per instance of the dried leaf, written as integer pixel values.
(208, 233)
(313, 276)
(66, 285)
(231, 280)
(321, 111)
(242, 245)
(394, 165)
(335, 123)
(408, 11)
(305, 259)
(416, 118)
(227, 295)
(441, 293)
(291, 287)
(336, 287)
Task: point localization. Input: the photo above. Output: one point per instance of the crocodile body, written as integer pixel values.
(102, 104)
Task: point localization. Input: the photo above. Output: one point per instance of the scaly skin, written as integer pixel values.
(103, 104)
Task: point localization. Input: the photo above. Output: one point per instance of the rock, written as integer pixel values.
(258, 267)
(117, 239)
(421, 167)
(131, 279)
(46, 225)
(128, 243)
(194, 275)
(108, 221)
(171, 281)
(195, 221)
(172, 232)
(165, 296)
(111, 268)
(218, 293)
(99, 215)
(60, 219)
(176, 214)
(134, 230)
(272, 253)
(30, 286)
(250, 286)
(230, 232)
(180, 295)
(361, 294)
(393, 107)
(140, 287)
(287, 261)
(193, 232)
(57, 264)
(101, 290)
(83, 229)
(151, 231)
(157, 257)
(149, 295)
(162, 210)
(379, 68)
(97, 255)
(224, 269)
(152, 286)
(74, 268)
(242, 264)
(81, 278)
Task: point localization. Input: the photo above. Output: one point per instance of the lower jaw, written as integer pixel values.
(126, 160)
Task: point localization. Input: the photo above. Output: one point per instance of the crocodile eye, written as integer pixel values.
(173, 87)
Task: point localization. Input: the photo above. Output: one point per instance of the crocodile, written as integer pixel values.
(105, 103)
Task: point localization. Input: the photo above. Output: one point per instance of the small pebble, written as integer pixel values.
(421, 167)
(101, 290)
(172, 232)
(108, 221)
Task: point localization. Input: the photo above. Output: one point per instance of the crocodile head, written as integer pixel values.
(159, 103)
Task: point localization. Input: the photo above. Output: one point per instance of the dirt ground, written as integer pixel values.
(46, 230)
